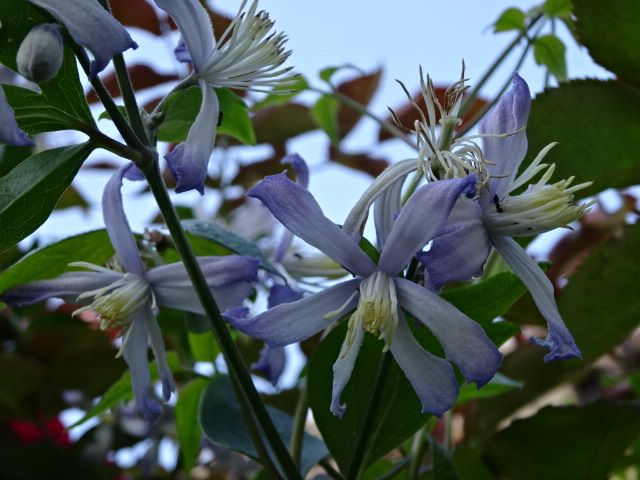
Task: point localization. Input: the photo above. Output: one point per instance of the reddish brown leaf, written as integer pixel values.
(407, 113)
(248, 175)
(136, 13)
(361, 89)
(220, 22)
(142, 76)
(277, 124)
(359, 161)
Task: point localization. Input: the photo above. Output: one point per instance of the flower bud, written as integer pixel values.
(40, 55)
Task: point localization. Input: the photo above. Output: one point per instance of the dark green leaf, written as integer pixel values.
(599, 304)
(11, 156)
(469, 464)
(182, 107)
(511, 19)
(29, 192)
(548, 50)
(557, 8)
(487, 300)
(105, 115)
(53, 260)
(398, 412)
(187, 426)
(598, 129)
(443, 468)
(325, 113)
(610, 31)
(566, 442)
(62, 104)
(498, 385)
(230, 240)
(223, 424)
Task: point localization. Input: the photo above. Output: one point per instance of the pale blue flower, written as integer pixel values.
(130, 299)
(10, 132)
(246, 56)
(378, 295)
(463, 244)
(92, 27)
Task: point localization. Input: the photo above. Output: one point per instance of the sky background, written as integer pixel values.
(397, 36)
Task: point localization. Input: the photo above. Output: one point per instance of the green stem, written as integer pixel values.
(129, 97)
(494, 66)
(250, 420)
(417, 452)
(358, 107)
(220, 331)
(398, 467)
(357, 461)
(112, 145)
(448, 431)
(299, 419)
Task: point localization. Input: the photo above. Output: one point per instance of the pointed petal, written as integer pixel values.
(67, 286)
(91, 26)
(343, 367)
(432, 377)
(292, 322)
(271, 363)
(230, 279)
(505, 154)
(386, 209)
(10, 133)
(461, 247)
(300, 167)
(465, 343)
(420, 219)
(297, 210)
(157, 345)
(134, 351)
(189, 160)
(354, 223)
(282, 294)
(559, 340)
(195, 26)
(117, 224)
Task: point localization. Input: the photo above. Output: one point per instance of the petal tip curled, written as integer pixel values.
(559, 349)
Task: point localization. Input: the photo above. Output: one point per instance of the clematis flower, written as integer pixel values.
(91, 26)
(377, 295)
(130, 299)
(10, 132)
(500, 215)
(246, 56)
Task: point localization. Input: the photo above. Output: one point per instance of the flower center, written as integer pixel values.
(377, 310)
(118, 302)
(542, 207)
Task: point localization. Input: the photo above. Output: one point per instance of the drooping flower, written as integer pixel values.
(130, 299)
(378, 294)
(499, 215)
(92, 27)
(246, 56)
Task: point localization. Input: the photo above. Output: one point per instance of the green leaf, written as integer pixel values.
(11, 156)
(121, 390)
(548, 50)
(398, 413)
(487, 300)
(295, 88)
(62, 104)
(223, 424)
(511, 19)
(182, 107)
(187, 426)
(610, 32)
(557, 8)
(325, 113)
(227, 239)
(498, 385)
(105, 115)
(29, 192)
(203, 346)
(53, 260)
(600, 304)
(564, 442)
(584, 116)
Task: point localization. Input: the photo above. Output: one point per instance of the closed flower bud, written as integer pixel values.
(40, 55)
